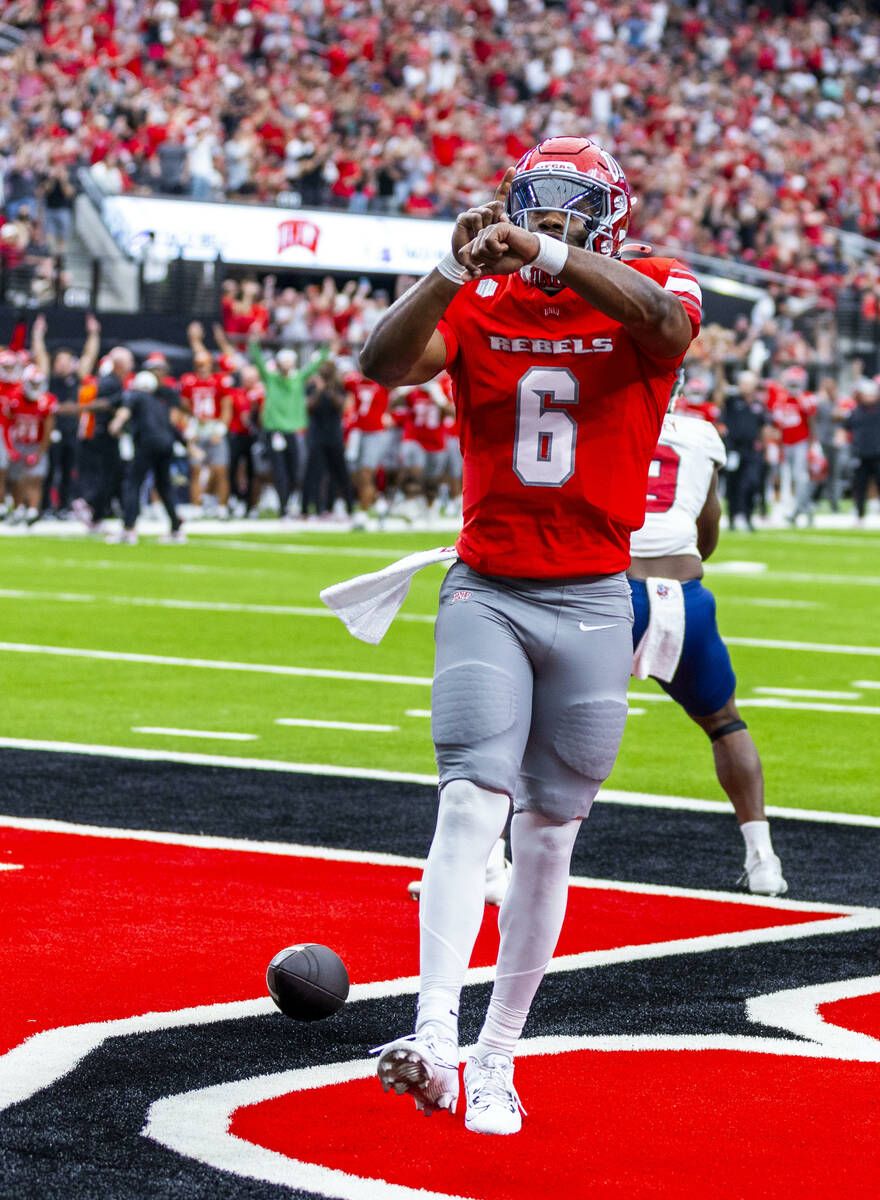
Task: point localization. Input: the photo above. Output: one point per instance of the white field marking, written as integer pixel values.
(196, 1124)
(282, 610)
(301, 722)
(216, 760)
(426, 712)
(287, 548)
(814, 577)
(758, 603)
(46, 1056)
(864, 710)
(195, 733)
(11, 866)
(871, 684)
(608, 796)
(814, 693)
(735, 568)
(133, 564)
(815, 647)
(636, 712)
(213, 664)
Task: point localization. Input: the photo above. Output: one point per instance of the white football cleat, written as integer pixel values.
(424, 1064)
(492, 1103)
(762, 875)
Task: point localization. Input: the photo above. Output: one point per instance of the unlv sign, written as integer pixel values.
(259, 236)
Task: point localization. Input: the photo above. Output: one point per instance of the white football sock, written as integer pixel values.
(469, 822)
(530, 921)
(756, 835)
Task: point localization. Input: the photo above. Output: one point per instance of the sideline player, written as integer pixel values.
(675, 636)
(562, 359)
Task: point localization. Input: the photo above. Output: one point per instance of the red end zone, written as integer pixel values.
(649, 1125)
(99, 928)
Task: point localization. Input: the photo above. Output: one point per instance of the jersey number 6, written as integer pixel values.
(543, 453)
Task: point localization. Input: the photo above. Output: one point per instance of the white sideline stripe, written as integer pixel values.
(196, 1123)
(216, 760)
(815, 693)
(862, 709)
(609, 796)
(203, 841)
(195, 733)
(213, 664)
(356, 725)
(283, 610)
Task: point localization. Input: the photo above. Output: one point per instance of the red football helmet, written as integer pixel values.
(576, 177)
(33, 381)
(10, 367)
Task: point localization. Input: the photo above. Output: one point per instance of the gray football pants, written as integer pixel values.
(530, 683)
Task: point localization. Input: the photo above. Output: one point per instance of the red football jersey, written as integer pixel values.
(790, 413)
(370, 402)
(201, 394)
(423, 420)
(560, 413)
(25, 420)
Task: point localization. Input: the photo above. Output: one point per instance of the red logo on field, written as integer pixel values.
(298, 233)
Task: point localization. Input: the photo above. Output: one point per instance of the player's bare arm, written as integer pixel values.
(405, 346)
(709, 520)
(654, 318)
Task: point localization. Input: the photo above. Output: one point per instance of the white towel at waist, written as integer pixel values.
(659, 650)
(368, 604)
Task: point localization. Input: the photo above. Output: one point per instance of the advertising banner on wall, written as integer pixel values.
(277, 237)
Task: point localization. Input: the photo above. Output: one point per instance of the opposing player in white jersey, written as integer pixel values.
(675, 635)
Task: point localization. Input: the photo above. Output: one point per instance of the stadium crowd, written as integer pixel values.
(747, 132)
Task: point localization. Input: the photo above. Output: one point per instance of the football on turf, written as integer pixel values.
(307, 982)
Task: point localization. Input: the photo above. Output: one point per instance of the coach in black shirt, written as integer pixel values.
(864, 425)
(149, 422)
(745, 417)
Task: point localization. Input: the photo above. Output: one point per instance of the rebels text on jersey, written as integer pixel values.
(560, 412)
(679, 477)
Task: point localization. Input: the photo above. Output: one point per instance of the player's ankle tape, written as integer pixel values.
(450, 268)
(552, 255)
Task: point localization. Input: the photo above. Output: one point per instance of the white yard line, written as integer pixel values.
(806, 693)
(608, 795)
(212, 664)
(302, 722)
(195, 733)
(871, 684)
(221, 606)
(864, 710)
(813, 647)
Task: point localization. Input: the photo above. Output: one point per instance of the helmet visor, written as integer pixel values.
(585, 198)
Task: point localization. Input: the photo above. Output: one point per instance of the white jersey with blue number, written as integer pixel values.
(679, 479)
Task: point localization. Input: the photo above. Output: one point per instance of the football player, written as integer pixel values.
(675, 636)
(29, 418)
(562, 358)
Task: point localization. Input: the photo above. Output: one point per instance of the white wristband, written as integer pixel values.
(450, 268)
(552, 255)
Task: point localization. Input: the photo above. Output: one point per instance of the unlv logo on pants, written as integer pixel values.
(685, 1041)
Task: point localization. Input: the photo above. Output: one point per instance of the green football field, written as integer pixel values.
(799, 609)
